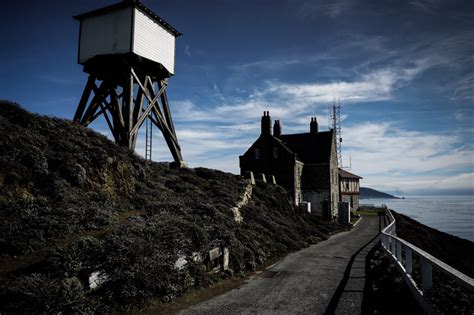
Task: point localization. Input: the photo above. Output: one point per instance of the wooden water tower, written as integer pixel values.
(129, 53)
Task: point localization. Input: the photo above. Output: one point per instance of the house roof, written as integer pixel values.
(284, 146)
(133, 4)
(346, 174)
(310, 148)
(261, 139)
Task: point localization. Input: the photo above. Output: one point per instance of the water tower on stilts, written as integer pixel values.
(129, 53)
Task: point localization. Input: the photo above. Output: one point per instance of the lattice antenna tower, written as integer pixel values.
(335, 123)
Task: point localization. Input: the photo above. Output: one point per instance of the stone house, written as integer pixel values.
(349, 188)
(304, 163)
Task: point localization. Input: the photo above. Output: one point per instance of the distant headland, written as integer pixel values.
(369, 193)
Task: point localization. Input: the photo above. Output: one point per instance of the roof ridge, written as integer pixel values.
(132, 4)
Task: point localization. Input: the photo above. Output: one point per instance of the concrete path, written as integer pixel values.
(325, 278)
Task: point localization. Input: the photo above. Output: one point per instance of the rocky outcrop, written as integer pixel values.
(245, 199)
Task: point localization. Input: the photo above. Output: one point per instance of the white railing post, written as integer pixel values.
(394, 246)
(408, 260)
(426, 275)
(399, 252)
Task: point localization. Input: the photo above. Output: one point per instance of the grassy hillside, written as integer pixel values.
(74, 204)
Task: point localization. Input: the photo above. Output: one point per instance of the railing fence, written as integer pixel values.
(402, 252)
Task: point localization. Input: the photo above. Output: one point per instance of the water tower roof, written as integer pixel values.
(133, 4)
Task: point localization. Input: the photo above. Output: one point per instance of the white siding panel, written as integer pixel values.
(153, 42)
(104, 34)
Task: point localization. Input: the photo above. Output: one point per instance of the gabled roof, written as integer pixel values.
(283, 145)
(269, 138)
(133, 4)
(346, 174)
(310, 148)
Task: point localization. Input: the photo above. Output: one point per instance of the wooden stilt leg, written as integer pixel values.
(84, 98)
(130, 104)
(127, 113)
(166, 110)
(98, 98)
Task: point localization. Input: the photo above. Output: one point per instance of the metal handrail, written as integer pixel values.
(396, 246)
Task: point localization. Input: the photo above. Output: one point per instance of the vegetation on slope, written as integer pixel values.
(75, 205)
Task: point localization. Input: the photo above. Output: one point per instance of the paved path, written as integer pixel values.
(325, 278)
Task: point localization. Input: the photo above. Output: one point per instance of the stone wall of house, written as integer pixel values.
(334, 179)
(316, 186)
(297, 178)
(316, 176)
(284, 175)
(322, 180)
(355, 202)
(316, 197)
(348, 199)
(352, 199)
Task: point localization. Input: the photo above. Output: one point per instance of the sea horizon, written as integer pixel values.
(452, 214)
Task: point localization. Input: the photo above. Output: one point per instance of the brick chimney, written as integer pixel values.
(277, 129)
(266, 123)
(313, 126)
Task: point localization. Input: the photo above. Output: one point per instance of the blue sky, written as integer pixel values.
(403, 71)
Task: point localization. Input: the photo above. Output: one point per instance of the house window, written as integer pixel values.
(257, 153)
(275, 153)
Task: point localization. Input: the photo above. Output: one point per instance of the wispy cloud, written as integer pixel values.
(277, 62)
(426, 6)
(429, 184)
(187, 50)
(58, 79)
(447, 54)
(307, 9)
(373, 86)
(301, 99)
(391, 157)
(464, 90)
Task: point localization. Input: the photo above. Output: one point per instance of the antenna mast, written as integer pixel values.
(335, 121)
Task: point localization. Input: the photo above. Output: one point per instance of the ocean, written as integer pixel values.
(450, 214)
